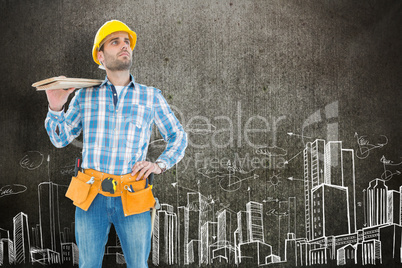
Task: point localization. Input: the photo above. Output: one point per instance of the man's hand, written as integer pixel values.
(145, 168)
(58, 97)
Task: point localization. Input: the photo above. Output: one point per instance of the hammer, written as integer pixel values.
(156, 206)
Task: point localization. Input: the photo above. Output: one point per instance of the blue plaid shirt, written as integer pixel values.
(117, 130)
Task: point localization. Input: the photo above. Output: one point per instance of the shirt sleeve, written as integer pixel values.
(63, 128)
(171, 131)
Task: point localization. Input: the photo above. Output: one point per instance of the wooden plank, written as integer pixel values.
(65, 83)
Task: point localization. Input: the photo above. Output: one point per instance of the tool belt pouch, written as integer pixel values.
(137, 202)
(81, 192)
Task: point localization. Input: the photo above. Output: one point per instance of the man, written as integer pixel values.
(116, 119)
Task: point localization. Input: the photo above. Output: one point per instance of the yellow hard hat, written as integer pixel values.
(108, 28)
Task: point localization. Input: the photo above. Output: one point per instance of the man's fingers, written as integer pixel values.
(140, 168)
(136, 168)
(150, 170)
(140, 174)
(143, 169)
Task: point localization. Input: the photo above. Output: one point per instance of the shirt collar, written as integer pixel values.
(106, 81)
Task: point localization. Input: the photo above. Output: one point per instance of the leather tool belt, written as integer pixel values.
(136, 196)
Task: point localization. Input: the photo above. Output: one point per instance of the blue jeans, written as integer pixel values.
(92, 230)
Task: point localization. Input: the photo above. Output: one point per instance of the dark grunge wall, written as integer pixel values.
(293, 114)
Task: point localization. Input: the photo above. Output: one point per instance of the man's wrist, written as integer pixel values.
(161, 165)
(59, 113)
(56, 109)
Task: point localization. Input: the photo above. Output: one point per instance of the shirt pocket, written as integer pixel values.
(137, 125)
(89, 110)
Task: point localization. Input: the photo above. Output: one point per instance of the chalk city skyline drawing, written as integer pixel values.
(292, 110)
(197, 234)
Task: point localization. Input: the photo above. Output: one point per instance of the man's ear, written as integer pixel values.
(100, 56)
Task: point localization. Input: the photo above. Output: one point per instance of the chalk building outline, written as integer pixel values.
(195, 234)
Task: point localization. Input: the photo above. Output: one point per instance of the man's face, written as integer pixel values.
(116, 54)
